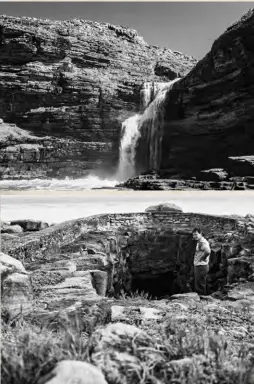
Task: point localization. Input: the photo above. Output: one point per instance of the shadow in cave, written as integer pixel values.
(156, 286)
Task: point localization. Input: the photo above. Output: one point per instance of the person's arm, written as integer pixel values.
(205, 248)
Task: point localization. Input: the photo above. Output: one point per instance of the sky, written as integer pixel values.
(189, 27)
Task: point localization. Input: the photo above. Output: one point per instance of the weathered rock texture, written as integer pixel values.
(83, 260)
(162, 182)
(208, 119)
(71, 84)
(70, 372)
(16, 287)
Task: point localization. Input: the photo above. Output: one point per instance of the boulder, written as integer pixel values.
(165, 207)
(242, 165)
(16, 287)
(237, 268)
(30, 225)
(111, 349)
(100, 281)
(134, 313)
(12, 264)
(15, 228)
(73, 372)
(218, 174)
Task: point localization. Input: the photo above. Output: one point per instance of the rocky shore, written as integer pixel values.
(121, 284)
(213, 179)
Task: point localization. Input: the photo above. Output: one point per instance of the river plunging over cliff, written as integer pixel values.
(145, 125)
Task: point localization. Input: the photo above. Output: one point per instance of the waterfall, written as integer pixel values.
(152, 96)
(130, 135)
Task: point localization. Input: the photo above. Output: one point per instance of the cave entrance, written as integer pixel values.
(160, 262)
(156, 286)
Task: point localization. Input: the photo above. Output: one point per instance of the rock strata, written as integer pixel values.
(209, 179)
(208, 118)
(68, 86)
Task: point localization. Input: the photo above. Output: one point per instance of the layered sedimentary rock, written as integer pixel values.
(71, 84)
(207, 124)
(209, 180)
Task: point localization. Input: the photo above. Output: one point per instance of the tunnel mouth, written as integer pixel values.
(159, 263)
(155, 286)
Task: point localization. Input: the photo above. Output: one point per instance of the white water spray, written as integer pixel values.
(66, 184)
(152, 101)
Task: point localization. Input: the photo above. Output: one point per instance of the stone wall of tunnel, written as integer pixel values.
(146, 252)
(160, 262)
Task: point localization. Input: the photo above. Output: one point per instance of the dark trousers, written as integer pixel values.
(200, 275)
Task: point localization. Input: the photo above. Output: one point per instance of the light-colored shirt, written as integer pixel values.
(202, 248)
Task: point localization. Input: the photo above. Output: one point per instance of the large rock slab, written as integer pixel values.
(69, 291)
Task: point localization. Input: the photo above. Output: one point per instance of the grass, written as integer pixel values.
(187, 349)
(136, 295)
(30, 351)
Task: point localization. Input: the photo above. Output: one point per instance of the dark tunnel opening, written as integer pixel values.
(157, 285)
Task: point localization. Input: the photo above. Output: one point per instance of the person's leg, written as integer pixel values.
(196, 279)
(203, 271)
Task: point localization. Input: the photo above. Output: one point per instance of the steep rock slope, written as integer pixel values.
(208, 118)
(74, 81)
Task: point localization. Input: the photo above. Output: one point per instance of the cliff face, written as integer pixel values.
(73, 82)
(208, 121)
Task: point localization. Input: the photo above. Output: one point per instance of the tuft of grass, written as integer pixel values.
(136, 295)
(30, 351)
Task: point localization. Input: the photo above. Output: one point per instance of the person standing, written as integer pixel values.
(201, 262)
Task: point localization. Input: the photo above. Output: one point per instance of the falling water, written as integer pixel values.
(130, 135)
(152, 101)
